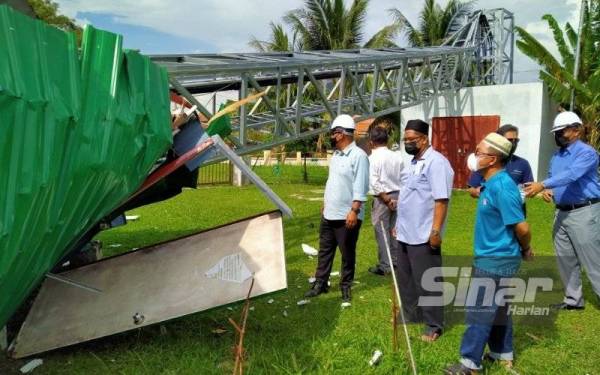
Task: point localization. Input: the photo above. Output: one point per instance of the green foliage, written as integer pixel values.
(434, 22)
(558, 75)
(325, 25)
(47, 11)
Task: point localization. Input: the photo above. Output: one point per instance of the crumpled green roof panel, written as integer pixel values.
(78, 135)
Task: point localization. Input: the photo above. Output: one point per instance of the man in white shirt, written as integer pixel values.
(385, 166)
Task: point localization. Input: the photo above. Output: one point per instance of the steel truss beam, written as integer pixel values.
(306, 89)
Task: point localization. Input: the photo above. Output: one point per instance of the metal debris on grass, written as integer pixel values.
(376, 358)
(309, 250)
(346, 304)
(270, 301)
(31, 365)
(132, 217)
(303, 302)
(335, 273)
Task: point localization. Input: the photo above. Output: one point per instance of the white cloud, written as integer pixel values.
(229, 24)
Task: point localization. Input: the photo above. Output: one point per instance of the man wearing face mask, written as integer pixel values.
(345, 192)
(573, 183)
(502, 239)
(421, 215)
(517, 167)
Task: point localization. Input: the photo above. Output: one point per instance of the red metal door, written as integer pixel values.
(457, 137)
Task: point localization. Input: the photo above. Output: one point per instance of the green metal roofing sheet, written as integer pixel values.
(79, 132)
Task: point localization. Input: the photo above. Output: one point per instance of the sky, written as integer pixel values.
(212, 26)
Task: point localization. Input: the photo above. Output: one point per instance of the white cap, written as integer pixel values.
(564, 119)
(343, 121)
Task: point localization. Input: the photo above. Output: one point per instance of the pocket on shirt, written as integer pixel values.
(418, 183)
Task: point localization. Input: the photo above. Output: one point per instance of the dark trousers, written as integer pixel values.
(333, 234)
(413, 261)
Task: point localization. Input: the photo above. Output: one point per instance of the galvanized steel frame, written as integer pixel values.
(363, 82)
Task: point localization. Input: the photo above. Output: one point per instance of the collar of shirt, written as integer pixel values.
(570, 148)
(347, 150)
(424, 156)
(378, 150)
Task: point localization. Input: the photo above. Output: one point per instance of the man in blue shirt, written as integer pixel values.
(345, 192)
(573, 183)
(517, 167)
(502, 238)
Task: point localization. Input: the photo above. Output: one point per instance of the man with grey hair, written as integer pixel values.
(574, 185)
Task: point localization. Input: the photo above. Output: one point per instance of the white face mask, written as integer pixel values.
(473, 163)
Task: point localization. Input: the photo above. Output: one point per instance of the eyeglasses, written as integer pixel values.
(413, 139)
(478, 153)
(513, 140)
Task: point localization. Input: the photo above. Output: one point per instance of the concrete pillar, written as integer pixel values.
(239, 179)
(267, 157)
(299, 158)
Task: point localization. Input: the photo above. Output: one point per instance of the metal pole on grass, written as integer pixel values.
(389, 254)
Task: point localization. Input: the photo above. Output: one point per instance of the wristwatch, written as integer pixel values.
(435, 232)
(355, 210)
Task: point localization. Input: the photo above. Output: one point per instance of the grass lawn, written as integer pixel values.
(319, 338)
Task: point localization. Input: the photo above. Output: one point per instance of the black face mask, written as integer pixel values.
(411, 148)
(513, 148)
(560, 139)
(333, 140)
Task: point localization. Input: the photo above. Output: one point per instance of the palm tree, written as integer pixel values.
(279, 41)
(326, 25)
(558, 75)
(434, 22)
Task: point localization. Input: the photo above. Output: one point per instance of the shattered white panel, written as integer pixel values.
(230, 268)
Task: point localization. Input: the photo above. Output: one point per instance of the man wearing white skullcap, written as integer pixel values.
(502, 239)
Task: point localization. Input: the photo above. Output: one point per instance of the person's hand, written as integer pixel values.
(322, 209)
(533, 188)
(547, 195)
(392, 204)
(527, 255)
(393, 232)
(435, 239)
(180, 119)
(475, 191)
(351, 219)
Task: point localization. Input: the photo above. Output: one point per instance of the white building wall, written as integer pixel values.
(525, 105)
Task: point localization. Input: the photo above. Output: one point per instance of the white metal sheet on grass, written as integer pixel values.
(154, 284)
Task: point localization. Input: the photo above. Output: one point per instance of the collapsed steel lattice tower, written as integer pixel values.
(304, 85)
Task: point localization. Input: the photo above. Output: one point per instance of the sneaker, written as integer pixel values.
(459, 369)
(508, 364)
(346, 294)
(565, 306)
(317, 288)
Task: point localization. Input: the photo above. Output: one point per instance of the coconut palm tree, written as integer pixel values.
(558, 73)
(434, 22)
(278, 41)
(326, 25)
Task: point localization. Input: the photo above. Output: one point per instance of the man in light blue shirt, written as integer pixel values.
(574, 184)
(345, 193)
(426, 187)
